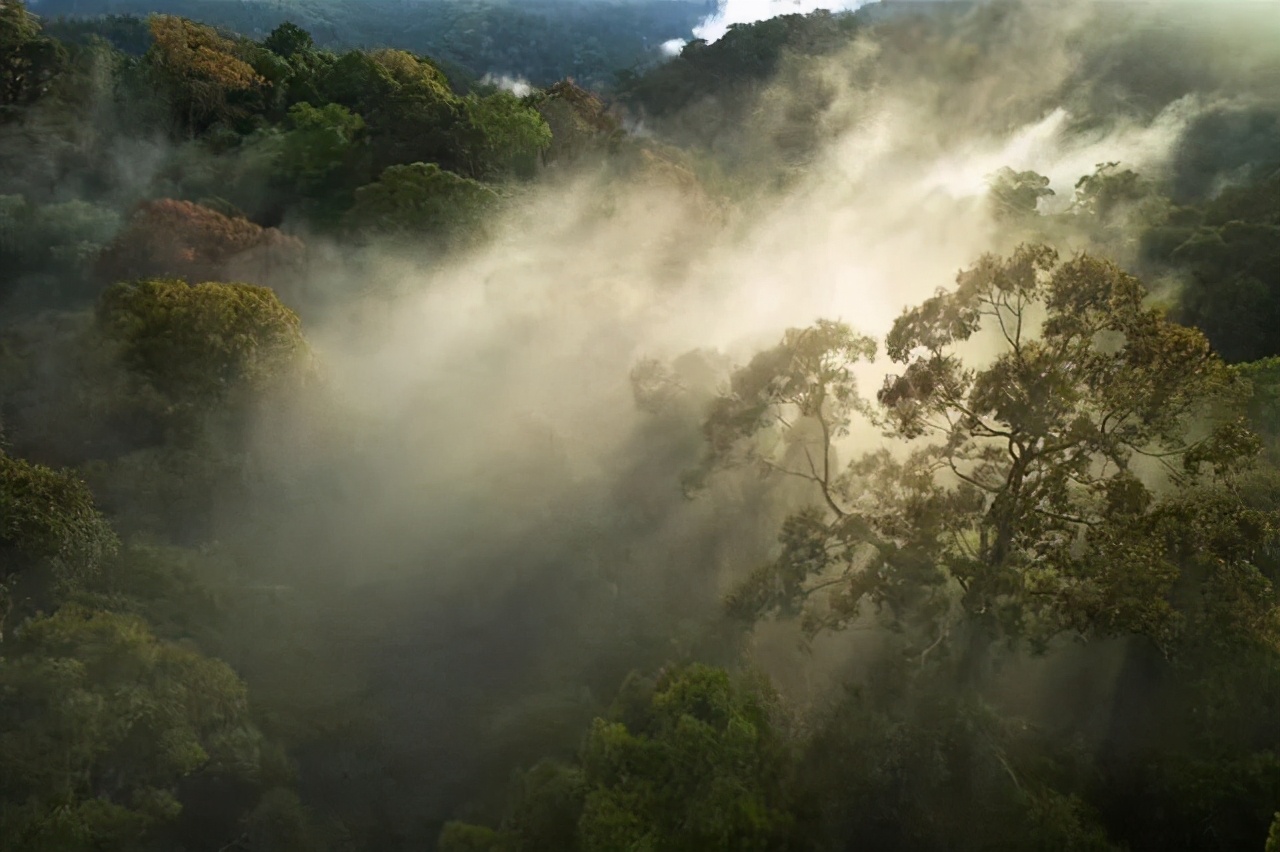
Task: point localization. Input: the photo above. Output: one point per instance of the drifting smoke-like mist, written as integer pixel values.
(493, 516)
(517, 86)
(673, 46)
(499, 439)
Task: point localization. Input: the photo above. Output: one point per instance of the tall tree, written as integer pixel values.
(28, 60)
(204, 346)
(1037, 497)
(197, 69)
(502, 136)
(694, 763)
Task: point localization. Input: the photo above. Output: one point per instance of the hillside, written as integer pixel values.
(541, 41)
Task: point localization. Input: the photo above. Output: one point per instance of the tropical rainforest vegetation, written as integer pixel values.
(541, 41)
(391, 461)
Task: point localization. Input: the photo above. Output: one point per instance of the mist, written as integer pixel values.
(504, 482)
(503, 472)
(732, 12)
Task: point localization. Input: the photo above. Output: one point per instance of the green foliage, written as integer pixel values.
(1108, 190)
(48, 520)
(503, 136)
(420, 199)
(547, 807)
(199, 72)
(289, 41)
(28, 60)
(201, 346)
(1273, 836)
(323, 157)
(692, 759)
(460, 837)
(356, 81)
(698, 766)
(543, 40)
(50, 248)
(807, 378)
(166, 586)
(578, 122)
(282, 823)
(1230, 262)
(1106, 379)
(319, 142)
(125, 33)
(100, 723)
(728, 69)
(1264, 403)
(1048, 521)
(905, 763)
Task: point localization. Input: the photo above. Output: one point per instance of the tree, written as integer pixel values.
(319, 141)
(693, 763)
(28, 60)
(51, 533)
(100, 722)
(419, 121)
(288, 40)
(502, 136)
(420, 198)
(356, 82)
(461, 837)
(49, 248)
(1109, 190)
(281, 823)
(305, 66)
(1264, 405)
(197, 69)
(411, 112)
(1229, 261)
(319, 150)
(1037, 500)
(181, 239)
(548, 805)
(579, 123)
(205, 346)
(411, 72)
(693, 759)
(1016, 194)
(910, 764)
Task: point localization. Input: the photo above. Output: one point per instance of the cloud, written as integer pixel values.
(672, 47)
(713, 27)
(517, 86)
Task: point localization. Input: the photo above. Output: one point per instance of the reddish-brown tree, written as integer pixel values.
(181, 239)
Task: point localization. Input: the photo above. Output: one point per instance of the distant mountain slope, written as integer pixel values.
(540, 40)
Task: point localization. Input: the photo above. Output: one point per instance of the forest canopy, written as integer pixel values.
(477, 427)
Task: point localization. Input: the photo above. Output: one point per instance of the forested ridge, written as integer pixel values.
(542, 41)
(858, 432)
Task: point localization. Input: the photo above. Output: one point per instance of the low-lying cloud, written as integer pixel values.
(713, 27)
